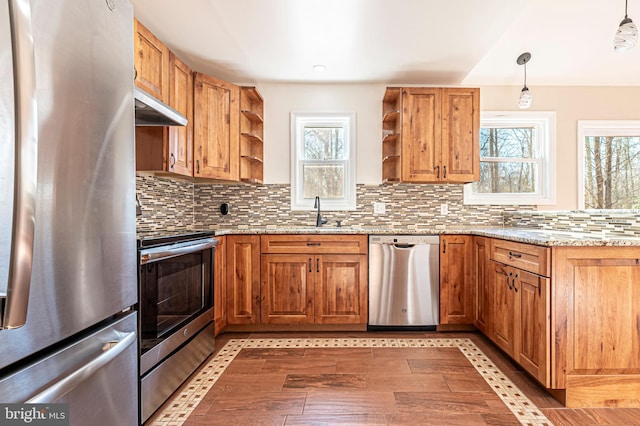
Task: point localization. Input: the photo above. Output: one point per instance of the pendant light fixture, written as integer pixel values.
(627, 34)
(524, 101)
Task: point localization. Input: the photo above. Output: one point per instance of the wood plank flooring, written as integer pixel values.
(329, 380)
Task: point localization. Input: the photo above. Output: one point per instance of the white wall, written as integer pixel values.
(570, 103)
(282, 99)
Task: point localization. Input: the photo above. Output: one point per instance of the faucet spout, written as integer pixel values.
(319, 220)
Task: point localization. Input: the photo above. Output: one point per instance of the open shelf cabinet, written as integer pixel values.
(391, 135)
(251, 135)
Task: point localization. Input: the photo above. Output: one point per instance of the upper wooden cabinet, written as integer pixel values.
(431, 135)
(216, 128)
(151, 61)
(170, 148)
(251, 135)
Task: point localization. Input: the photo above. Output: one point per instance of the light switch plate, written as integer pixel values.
(444, 209)
(379, 208)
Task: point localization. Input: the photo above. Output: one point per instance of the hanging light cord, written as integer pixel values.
(525, 75)
(625, 8)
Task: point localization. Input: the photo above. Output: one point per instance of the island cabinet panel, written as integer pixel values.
(456, 281)
(596, 325)
(243, 279)
(341, 289)
(287, 289)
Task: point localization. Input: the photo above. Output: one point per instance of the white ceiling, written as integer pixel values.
(432, 42)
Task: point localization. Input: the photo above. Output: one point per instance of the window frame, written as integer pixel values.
(600, 128)
(545, 124)
(300, 120)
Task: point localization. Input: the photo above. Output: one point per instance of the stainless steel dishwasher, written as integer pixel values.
(404, 277)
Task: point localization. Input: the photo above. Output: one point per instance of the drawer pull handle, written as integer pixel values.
(515, 254)
(313, 244)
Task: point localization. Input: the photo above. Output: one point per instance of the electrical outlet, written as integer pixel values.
(444, 209)
(379, 208)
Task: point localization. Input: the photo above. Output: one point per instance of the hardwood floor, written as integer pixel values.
(283, 382)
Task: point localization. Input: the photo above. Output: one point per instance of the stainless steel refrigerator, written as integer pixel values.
(67, 208)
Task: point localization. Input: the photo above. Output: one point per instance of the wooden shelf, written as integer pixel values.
(390, 138)
(252, 116)
(253, 137)
(391, 116)
(252, 158)
(251, 180)
(390, 158)
(391, 95)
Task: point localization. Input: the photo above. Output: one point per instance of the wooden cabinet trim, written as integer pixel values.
(528, 257)
(317, 244)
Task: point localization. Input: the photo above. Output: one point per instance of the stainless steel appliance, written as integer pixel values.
(176, 312)
(67, 208)
(404, 279)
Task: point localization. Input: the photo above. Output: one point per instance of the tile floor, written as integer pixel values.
(367, 378)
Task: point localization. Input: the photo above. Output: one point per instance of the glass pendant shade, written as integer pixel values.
(525, 99)
(626, 36)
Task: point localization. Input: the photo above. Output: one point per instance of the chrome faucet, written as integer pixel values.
(319, 220)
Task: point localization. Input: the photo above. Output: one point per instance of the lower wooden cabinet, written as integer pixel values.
(456, 279)
(297, 280)
(243, 279)
(287, 289)
(484, 287)
(520, 323)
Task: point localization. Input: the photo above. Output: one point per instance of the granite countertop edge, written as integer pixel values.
(542, 237)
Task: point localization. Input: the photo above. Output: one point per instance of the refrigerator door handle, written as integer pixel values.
(70, 382)
(16, 299)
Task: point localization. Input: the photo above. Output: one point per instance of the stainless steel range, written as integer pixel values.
(176, 312)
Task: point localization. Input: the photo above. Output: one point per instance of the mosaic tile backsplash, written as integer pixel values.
(179, 206)
(603, 222)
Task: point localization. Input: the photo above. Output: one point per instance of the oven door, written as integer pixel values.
(176, 294)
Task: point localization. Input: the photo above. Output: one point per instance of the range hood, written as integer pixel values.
(152, 112)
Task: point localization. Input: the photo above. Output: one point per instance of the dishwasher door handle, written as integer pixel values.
(404, 246)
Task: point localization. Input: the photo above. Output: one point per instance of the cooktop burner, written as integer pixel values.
(164, 237)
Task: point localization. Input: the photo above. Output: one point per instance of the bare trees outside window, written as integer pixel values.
(507, 161)
(323, 160)
(612, 172)
(323, 176)
(517, 159)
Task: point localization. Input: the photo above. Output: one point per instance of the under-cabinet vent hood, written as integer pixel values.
(152, 112)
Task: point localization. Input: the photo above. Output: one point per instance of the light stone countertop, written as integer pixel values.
(542, 237)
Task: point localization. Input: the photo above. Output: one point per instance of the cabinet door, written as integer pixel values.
(460, 135)
(341, 289)
(288, 288)
(532, 351)
(484, 286)
(243, 279)
(216, 128)
(421, 134)
(151, 61)
(456, 283)
(220, 285)
(503, 315)
(180, 154)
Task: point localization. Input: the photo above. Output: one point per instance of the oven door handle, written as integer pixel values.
(157, 254)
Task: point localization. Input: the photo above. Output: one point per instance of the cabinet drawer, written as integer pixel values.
(528, 257)
(317, 244)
